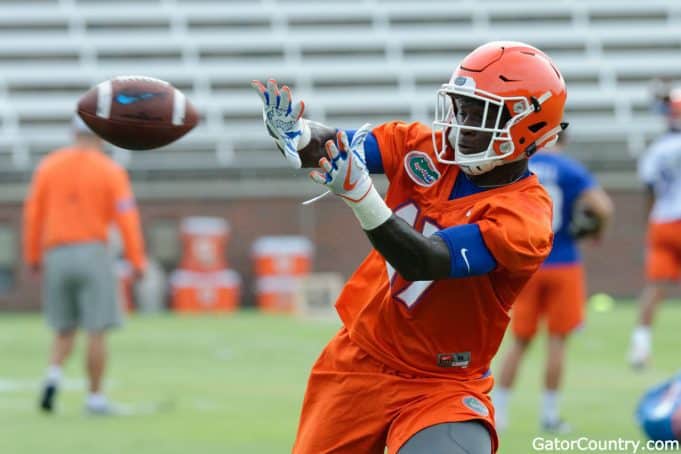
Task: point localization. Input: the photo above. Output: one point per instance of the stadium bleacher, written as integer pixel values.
(352, 61)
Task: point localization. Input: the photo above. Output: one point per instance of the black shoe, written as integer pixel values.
(47, 398)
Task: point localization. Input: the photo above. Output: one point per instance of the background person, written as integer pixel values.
(76, 193)
(660, 170)
(556, 292)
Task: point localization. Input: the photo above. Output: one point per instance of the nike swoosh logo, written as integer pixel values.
(125, 98)
(465, 259)
(349, 185)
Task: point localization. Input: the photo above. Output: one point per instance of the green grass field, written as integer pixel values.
(234, 384)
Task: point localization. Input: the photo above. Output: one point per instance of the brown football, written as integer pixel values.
(137, 112)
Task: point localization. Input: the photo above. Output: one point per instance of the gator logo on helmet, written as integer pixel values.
(463, 82)
(420, 168)
(475, 405)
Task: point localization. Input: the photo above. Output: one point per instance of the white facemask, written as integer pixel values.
(500, 135)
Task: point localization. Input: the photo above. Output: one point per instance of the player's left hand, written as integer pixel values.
(284, 120)
(344, 172)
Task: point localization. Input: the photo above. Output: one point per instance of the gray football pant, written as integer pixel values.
(470, 437)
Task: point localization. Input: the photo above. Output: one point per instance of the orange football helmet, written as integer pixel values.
(522, 94)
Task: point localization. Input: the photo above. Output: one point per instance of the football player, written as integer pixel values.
(581, 209)
(660, 171)
(463, 226)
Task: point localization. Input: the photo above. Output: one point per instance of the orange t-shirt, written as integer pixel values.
(74, 197)
(450, 327)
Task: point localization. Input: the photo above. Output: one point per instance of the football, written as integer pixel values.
(137, 112)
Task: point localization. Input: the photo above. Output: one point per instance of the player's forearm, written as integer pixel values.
(604, 214)
(32, 233)
(600, 204)
(314, 150)
(133, 241)
(414, 256)
(32, 248)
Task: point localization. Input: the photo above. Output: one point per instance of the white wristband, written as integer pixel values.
(371, 211)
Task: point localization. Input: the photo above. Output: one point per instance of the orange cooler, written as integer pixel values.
(280, 262)
(282, 255)
(217, 291)
(204, 241)
(277, 293)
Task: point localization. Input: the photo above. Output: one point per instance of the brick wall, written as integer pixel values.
(615, 266)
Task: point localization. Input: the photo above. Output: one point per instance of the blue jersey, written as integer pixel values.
(565, 180)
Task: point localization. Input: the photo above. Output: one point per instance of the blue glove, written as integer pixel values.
(345, 172)
(284, 120)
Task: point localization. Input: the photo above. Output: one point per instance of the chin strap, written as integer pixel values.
(546, 140)
(479, 169)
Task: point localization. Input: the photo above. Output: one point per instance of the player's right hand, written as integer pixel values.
(344, 171)
(284, 120)
(585, 223)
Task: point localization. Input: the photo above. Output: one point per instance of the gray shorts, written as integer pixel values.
(79, 288)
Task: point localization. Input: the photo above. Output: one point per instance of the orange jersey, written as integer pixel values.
(74, 197)
(450, 327)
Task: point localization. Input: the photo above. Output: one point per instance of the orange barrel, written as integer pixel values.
(276, 293)
(213, 291)
(204, 243)
(282, 256)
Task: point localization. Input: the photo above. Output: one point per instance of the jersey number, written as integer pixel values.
(410, 294)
